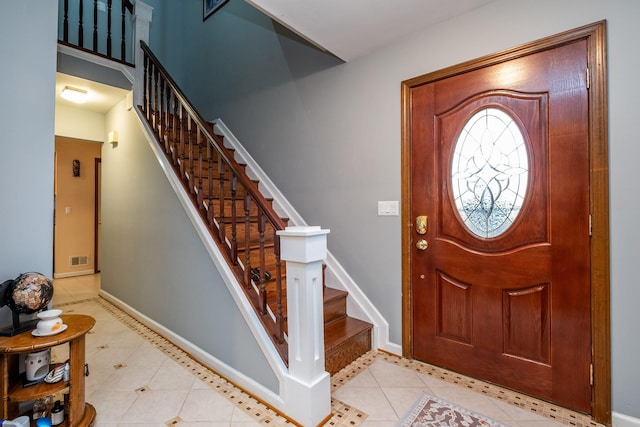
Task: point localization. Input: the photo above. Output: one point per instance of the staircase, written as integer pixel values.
(241, 220)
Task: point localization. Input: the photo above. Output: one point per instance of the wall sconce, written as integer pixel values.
(113, 137)
(73, 94)
(76, 167)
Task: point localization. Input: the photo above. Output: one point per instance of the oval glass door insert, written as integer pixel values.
(489, 172)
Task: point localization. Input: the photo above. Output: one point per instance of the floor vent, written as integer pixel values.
(79, 260)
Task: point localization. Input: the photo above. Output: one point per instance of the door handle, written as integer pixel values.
(422, 224)
(422, 244)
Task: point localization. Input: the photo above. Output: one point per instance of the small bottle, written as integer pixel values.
(65, 374)
(57, 414)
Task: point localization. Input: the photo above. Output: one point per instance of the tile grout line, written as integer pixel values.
(342, 414)
(528, 403)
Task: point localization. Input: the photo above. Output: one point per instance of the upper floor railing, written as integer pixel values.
(102, 27)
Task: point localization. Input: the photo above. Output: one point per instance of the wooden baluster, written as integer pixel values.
(210, 204)
(150, 89)
(263, 291)
(150, 93)
(189, 152)
(109, 4)
(247, 240)
(123, 45)
(175, 119)
(181, 141)
(279, 313)
(220, 199)
(80, 25)
(167, 119)
(201, 160)
(155, 99)
(65, 22)
(95, 25)
(145, 88)
(234, 220)
(160, 123)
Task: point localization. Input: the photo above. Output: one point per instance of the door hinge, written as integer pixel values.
(590, 226)
(591, 373)
(588, 77)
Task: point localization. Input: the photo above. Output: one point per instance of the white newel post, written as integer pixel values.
(308, 391)
(141, 18)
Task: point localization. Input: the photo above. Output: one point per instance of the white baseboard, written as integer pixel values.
(72, 274)
(621, 420)
(221, 368)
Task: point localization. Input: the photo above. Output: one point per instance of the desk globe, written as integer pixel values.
(27, 294)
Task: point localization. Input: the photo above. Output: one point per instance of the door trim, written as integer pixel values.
(595, 35)
(97, 194)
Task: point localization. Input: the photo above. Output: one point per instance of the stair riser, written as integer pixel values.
(335, 310)
(340, 356)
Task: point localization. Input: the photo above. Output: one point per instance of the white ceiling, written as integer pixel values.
(101, 98)
(352, 28)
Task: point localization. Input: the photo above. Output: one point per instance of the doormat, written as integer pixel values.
(429, 411)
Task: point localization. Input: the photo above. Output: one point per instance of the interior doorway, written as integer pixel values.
(75, 192)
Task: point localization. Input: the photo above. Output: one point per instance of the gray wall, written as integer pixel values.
(329, 137)
(154, 261)
(27, 85)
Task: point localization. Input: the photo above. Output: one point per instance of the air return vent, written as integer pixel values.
(78, 260)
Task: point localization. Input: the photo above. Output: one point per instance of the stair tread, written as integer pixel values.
(330, 294)
(339, 331)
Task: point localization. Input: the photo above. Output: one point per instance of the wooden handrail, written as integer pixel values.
(220, 188)
(215, 140)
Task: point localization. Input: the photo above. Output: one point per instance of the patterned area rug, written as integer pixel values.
(429, 411)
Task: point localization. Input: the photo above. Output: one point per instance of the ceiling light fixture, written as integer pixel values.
(73, 94)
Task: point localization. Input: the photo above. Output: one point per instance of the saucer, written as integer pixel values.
(37, 333)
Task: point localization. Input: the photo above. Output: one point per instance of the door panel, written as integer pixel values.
(514, 308)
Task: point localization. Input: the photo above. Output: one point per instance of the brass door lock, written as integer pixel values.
(421, 224)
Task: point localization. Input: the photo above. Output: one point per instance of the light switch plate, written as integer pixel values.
(388, 208)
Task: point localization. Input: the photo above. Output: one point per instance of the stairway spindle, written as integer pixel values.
(279, 297)
(263, 290)
(109, 28)
(234, 220)
(220, 198)
(65, 22)
(80, 24)
(247, 240)
(199, 166)
(95, 25)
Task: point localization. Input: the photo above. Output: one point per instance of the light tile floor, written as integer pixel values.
(138, 378)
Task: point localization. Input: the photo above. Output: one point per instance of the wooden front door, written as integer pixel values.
(500, 204)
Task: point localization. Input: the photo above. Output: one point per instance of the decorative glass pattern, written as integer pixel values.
(490, 172)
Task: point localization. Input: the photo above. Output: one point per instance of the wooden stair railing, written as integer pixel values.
(125, 11)
(240, 219)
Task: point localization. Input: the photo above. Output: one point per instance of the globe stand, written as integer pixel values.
(18, 327)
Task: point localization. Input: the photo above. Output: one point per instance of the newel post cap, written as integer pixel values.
(303, 244)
